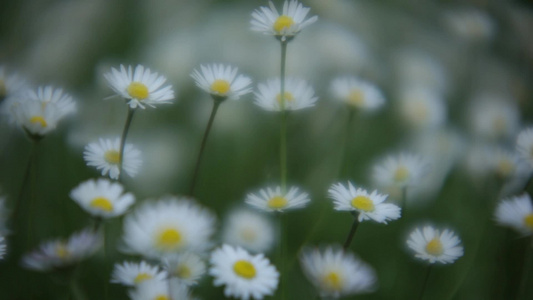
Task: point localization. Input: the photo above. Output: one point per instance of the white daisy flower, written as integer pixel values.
(493, 117)
(291, 21)
(435, 245)
(360, 94)
(168, 226)
(504, 164)
(59, 253)
(400, 171)
(470, 24)
(105, 156)
(516, 212)
(244, 275)
(102, 198)
(142, 87)
(524, 145)
(3, 247)
(132, 274)
(151, 290)
(10, 84)
(337, 272)
(188, 267)
(250, 230)
(422, 107)
(222, 82)
(370, 206)
(272, 199)
(298, 95)
(50, 95)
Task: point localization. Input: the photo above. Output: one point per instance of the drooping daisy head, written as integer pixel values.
(168, 226)
(187, 267)
(285, 25)
(421, 107)
(244, 275)
(132, 274)
(357, 93)
(298, 95)
(516, 212)
(2, 247)
(102, 198)
(273, 199)
(250, 230)
(58, 254)
(370, 206)
(524, 145)
(140, 86)
(435, 245)
(336, 272)
(105, 156)
(222, 82)
(400, 171)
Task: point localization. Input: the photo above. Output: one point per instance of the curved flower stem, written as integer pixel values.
(123, 140)
(428, 272)
(283, 130)
(351, 234)
(216, 104)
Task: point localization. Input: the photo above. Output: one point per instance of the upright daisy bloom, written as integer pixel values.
(222, 82)
(336, 272)
(59, 254)
(273, 199)
(187, 268)
(168, 226)
(504, 164)
(151, 290)
(400, 171)
(244, 275)
(494, 118)
(140, 86)
(435, 245)
(370, 206)
(102, 198)
(298, 95)
(362, 95)
(105, 156)
(524, 145)
(422, 107)
(285, 25)
(132, 274)
(250, 230)
(516, 212)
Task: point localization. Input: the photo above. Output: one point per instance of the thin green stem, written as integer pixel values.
(353, 229)
(76, 291)
(428, 272)
(525, 270)
(281, 255)
(123, 140)
(33, 181)
(25, 179)
(404, 201)
(283, 130)
(216, 104)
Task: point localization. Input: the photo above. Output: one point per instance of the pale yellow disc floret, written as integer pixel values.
(287, 97)
(248, 234)
(283, 22)
(38, 120)
(161, 297)
(434, 247)
(528, 221)
(142, 277)
(112, 157)
(333, 281)
(505, 167)
(363, 203)
(356, 97)
(62, 251)
(499, 124)
(169, 239)
(183, 271)
(244, 269)
(277, 202)
(138, 90)
(401, 174)
(220, 86)
(102, 203)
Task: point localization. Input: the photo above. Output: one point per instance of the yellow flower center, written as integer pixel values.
(183, 271)
(401, 174)
(363, 203)
(245, 269)
(220, 86)
(434, 247)
(248, 234)
(169, 239)
(142, 277)
(62, 251)
(499, 124)
(3, 89)
(505, 167)
(112, 157)
(420, 112)
(277, 202)
(102, 203)
(333, 281)
(283, 22)
(528, 221)
(287, 97)
(40, 120)
(161, 297)
(138, 90)
(356, 98)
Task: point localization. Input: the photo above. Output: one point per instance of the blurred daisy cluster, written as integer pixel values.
(164, 150)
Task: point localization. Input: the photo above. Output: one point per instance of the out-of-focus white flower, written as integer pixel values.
(435, 245)
(413, 66)
(58, 253)
(3, 247)
(272, 199)
(298, 95)
(105, 156)
(470, 24)
(102, 198)
(244, 275)
(336, 272)
(140, 86)
(524, 145)
(249, 230)
(493, 118)
(187, 268)
(360, 94)
(421, 108)
(151, 290)
(516, 212)
(10, 84)
(402, 170)
(222, 82)
(132, 274)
